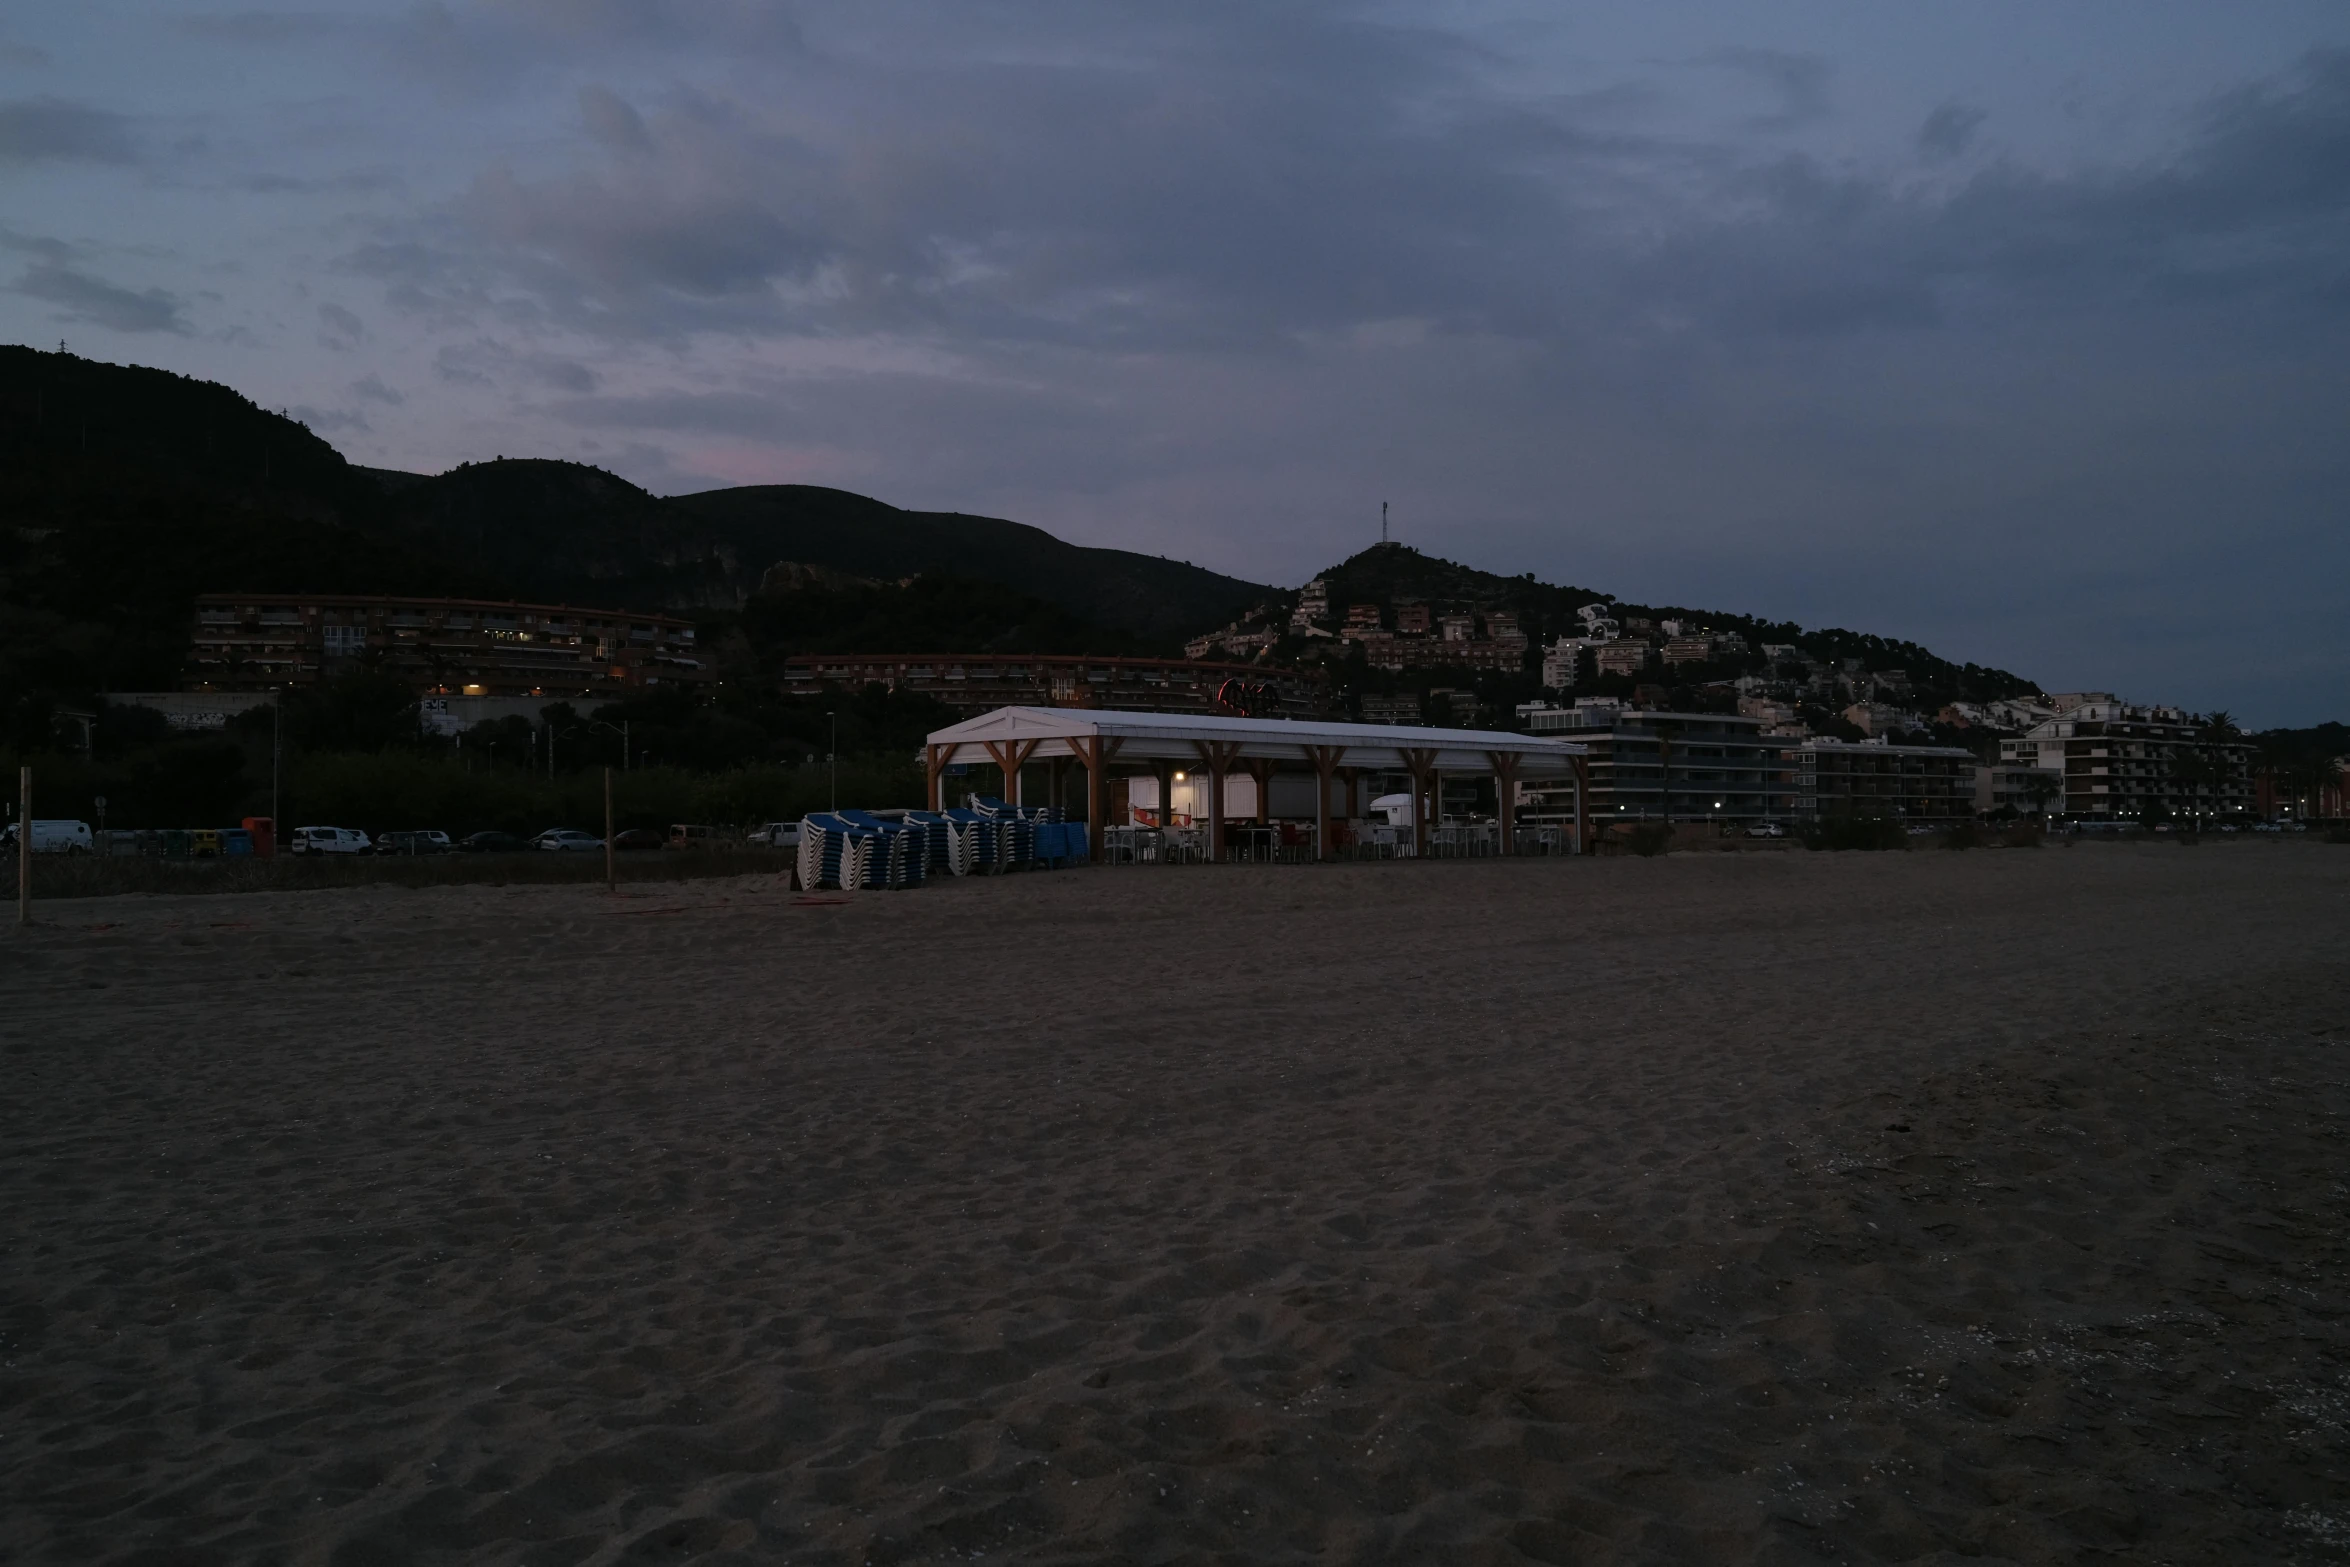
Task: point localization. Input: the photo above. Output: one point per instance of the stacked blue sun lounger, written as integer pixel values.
(949, 843)
(831, 852)
(899, 852)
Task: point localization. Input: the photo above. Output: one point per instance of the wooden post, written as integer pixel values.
(1582, 792)
(1325, 759)
(611, 873)
(1093, 753)
(938, 756)
(1422, 764)
(1218, 756)
(1505, 783)
(1011, 756)
(24, 846)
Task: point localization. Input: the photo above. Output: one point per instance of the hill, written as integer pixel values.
(127, 491)
(1157, 599)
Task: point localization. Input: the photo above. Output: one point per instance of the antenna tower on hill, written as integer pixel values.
(1383, 522)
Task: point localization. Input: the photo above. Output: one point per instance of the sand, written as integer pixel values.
(1778, 1207)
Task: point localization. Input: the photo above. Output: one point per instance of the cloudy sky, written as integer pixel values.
(2022, 329)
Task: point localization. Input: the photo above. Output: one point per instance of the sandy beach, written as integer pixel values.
(1775, 1207)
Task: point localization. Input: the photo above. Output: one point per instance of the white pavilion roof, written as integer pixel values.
(1148, 737)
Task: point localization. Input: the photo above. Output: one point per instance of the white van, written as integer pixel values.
(329, 840)
(55, 837)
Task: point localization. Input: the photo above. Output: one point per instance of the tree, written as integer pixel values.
(2039, 788)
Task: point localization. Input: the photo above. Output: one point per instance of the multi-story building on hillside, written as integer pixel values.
(443, 647)
(982, 682)
(2123, 762)
(1644, 766)
(1627, 657)
(1915, 783)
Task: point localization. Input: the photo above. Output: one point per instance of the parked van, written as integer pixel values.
(329, 840)
(685, 836)
(54, 837)
(775, 835)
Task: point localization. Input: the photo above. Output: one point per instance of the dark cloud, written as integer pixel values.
(612, 122)
(370, 388)
(1799, 81)
(43, 128)
(82, 297)
(339, 328)
(1949, 130)
(22, 55)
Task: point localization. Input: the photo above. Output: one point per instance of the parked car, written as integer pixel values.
(490, 843)
(561, 840)
(683, 835)
(53, 837)
(631, 838)
(413, 842)
(775, 835)
(1765, 830)
(330, 840)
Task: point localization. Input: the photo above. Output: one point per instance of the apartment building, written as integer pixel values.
(1669, 766)
(2027, 791)
(443, 647)
(983, 682)
(2124, 762)
(1915, 783)
(1631, 657)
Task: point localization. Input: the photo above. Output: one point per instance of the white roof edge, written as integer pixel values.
(1057, 722)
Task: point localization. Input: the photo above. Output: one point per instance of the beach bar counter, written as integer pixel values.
(1108, 744)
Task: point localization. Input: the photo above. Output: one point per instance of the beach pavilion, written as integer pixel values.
(1106, 742)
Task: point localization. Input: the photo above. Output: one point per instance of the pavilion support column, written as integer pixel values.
(1422, 766)
(1325, 759)
(1218, 756)
(1093, 753)
(1261, 770)
(1166, 795)
(1011, 756)
(1505, 785)
(1583, 843)
(938, 757)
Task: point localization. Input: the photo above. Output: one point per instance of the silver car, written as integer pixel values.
(559, 839)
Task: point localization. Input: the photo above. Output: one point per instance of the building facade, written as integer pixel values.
(983, 682)
(1915, 783)
(2123, 762)
(1649, 766)
(446, 647)
(2027, 791)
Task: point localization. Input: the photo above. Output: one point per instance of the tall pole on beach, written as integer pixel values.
(833, 756)
(24, 845)
(277, 747)
(611, 876)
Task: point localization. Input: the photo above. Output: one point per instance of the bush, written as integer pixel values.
(2024, 835)
(2338, 835)
(1856, 832)
(1649, 839)
(1966, 835)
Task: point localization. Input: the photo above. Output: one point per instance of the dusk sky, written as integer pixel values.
(2022, 330)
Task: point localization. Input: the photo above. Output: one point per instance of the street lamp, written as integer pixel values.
(621, 731)
(832, 757)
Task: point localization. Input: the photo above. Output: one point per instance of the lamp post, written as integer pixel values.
(277, 751)
(620, 729)
(833, 758)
